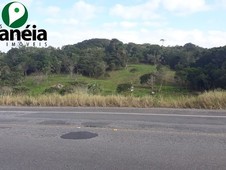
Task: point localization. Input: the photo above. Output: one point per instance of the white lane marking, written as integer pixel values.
(116, 113)
(146, 114)
(15, 111)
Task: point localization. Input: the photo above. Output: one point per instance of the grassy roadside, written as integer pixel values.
(170, 95)
(207, 100)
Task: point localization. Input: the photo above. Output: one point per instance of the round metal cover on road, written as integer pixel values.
(79, 135)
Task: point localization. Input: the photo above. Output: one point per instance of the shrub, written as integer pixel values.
(94, 88)
(126, 87)
(6, 90)
(107, 75)
(133, 70)
(39, 78)
(20, 90)
(78, 84)
(145, 78)
(66, 90)
(52, 90)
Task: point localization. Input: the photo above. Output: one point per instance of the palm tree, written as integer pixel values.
(162, 40)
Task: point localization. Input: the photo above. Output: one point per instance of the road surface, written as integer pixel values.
(111, 138)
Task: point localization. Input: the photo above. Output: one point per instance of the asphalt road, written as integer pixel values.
(111, 139)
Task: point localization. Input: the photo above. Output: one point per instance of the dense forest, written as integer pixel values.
(196, 68)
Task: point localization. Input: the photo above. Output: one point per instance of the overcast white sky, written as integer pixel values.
(202, 22)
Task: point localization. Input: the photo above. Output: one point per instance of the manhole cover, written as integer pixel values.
(79, 135)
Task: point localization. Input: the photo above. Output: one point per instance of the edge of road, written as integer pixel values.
(127, 110)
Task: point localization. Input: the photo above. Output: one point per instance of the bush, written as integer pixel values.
(39, 78)
(126, 87)
(94, 88)
(20, 90)
(107, 75)
(144, 78)
(11, 79)
(66, 90)
(133, 70)
(78, 84)
(52, 90)
(6, 90)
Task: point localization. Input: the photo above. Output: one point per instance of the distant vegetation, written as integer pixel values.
(109, 67)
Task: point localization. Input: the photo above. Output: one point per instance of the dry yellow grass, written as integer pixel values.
(207, 100)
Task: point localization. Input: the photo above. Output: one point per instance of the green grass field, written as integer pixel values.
(37, 84)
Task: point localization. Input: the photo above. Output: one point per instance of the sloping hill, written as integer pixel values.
(38, 83)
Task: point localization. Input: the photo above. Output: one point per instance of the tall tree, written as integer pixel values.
(116, 55)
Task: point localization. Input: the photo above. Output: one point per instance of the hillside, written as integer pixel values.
(101, 65)
(37, 84)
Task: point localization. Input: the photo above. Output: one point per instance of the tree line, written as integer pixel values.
(196, 68)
